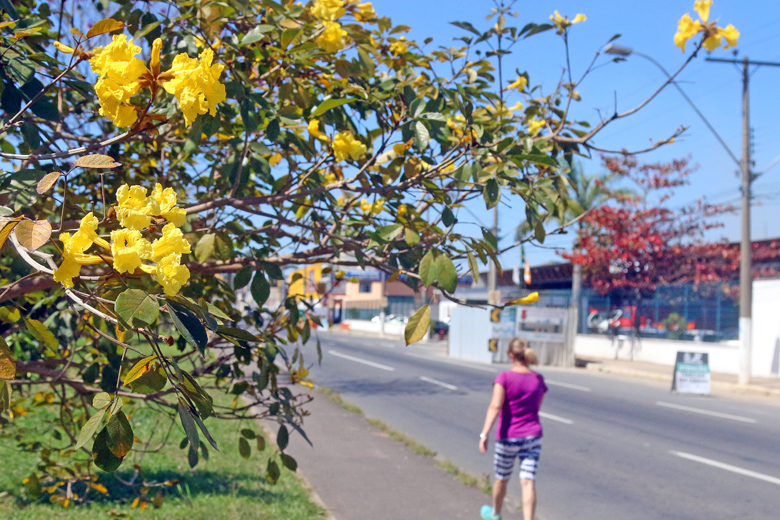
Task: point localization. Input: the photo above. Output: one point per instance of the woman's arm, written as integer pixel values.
(496, 403)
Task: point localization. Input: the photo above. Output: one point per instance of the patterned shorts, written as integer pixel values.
(527, 449)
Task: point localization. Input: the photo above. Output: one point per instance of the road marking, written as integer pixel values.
(358, 360)
(728, 467)
(437, 382)
(464, 364)
(568, 385)
(555, 418)
(706, 412)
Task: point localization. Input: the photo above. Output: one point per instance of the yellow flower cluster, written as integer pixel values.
(333, 38)
(535, 126)
(328, 10)
(346, 146)
(372, 208)
(194, 82)
(399, 47)
(562, 22)
(128, 247)
(713, 37)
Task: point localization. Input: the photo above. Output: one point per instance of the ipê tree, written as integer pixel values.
(153, 146)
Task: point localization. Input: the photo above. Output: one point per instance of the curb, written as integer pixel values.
(719, 385)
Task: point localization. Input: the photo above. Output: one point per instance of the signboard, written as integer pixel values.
(692, 373)
(541, 324)
(366, 276)
(493, 345)
(502, 323)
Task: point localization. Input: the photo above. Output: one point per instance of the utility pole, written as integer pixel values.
(746, 254)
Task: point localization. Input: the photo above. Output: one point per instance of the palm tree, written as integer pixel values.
(585, 193)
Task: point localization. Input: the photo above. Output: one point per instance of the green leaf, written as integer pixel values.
(391, 232)
(243, 448)
(42, 334)
(188, 325)
(205, 247)
(205, 432)
(260, 289)
(102, 455)
(120, 435)
(249, 434)
(473, 266)
(102, 400)
(447, 275)
(197, 394)
(188, 422)
(255, 34)
(429, 268)
(539, 232)
(491, 193)
(33, 486)
(243, 276)
(328, 104)
(283, 437)
(412, 237)
(447, 217)
(239, 334)
(289, 462)
(467, 26)
(272, 472)
(137, 308)
(5, 395)
(418, 325)
(260, 441)
(421, 136)
(151, 382)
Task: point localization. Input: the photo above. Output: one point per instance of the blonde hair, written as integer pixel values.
(519, 350)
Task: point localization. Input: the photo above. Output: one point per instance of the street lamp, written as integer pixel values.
(620, 50)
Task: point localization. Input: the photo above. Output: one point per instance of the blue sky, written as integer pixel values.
(648, 27)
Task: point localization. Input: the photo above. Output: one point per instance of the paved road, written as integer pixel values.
(614, 448)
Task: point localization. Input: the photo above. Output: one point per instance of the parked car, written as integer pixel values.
(441, 329)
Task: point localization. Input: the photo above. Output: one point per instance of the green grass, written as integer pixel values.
(225, 487)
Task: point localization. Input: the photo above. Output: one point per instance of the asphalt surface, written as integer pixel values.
(613, 448)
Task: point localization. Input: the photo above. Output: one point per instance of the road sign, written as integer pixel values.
(692, 373)
(495, 315)
(493, 345)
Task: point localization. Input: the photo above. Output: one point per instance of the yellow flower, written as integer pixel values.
(314, 130)
(687, 28)
(166, 200)
(171, 274)
(196, 84)
(74, 257)
(535, 125)
(63, 48)
(275, 159)
(134, 207)
(118, 73)
(520, 83)
(365, 12)
(501, 110)
(563, 22)
(399, 47)
(372, 208)
(531, 298)
(703, 8)
(333, 38)
(128, 248)
(171, 241)
(328, 10)
(399, 148)
(154, 63)
(345, 146)
(330, 178)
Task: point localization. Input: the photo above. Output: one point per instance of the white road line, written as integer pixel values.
(728, 467)
(568, 385)
(437, 382)
(706, 412)
(555, 418)
(358, 360)
(464, 364)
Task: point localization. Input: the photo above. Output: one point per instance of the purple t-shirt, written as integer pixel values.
(519, 416)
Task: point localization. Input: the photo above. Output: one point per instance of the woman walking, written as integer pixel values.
(517, 397)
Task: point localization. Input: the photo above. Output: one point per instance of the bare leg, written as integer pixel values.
(529, 498)
(499, 492)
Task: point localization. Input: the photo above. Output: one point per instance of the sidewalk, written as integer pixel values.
(359, 473)
(720, 383)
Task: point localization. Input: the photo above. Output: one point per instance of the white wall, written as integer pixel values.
(766, 328)
(723, 357)
(469, 333)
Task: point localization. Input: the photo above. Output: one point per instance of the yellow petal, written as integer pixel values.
(703, 8)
